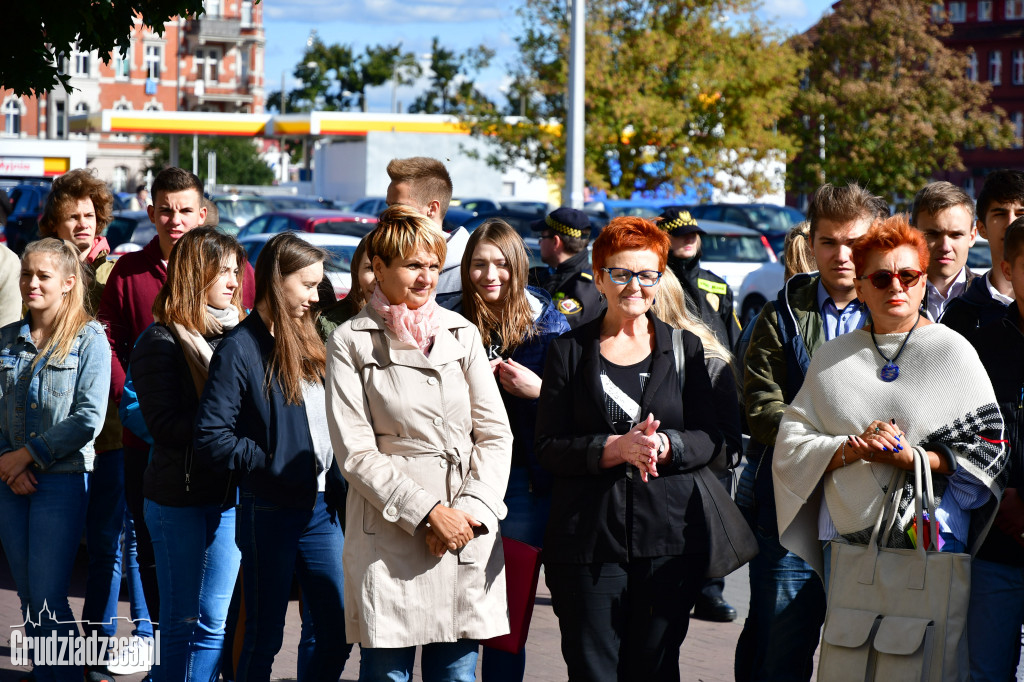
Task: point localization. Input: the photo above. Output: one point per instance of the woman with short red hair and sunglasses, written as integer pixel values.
(875, 395)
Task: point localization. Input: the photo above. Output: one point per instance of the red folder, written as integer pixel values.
(522, 571)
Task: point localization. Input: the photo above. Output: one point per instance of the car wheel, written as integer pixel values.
(752, 307)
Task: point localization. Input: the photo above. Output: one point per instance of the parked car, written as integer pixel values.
(241, 208)
(743, 258)
(290, 201)
(979, 258)
(338, 267)
(324, 221)
(27, 201)
(370, 206)
(477, 206)
(772, 221)
(124, 225)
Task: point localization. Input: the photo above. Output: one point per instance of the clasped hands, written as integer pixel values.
(639, 447)
(15, 473)
(449, 529)
(881, 442)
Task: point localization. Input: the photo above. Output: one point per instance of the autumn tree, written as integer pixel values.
(675, 90)
(452, 86)
(335, 77)
(884, 102)
(38, 35)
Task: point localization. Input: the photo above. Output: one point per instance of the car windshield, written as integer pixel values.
(341, 258)
(733, 248)
(351, 228)
(770, 218)
(244, 209)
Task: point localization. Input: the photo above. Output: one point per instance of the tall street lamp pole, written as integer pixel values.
(573, 193)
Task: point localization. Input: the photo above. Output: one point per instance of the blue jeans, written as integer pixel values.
(526, 520)
(994, 620)
(133, 580)
(441, 662)
(787, 609)
(277, 542)
(104, 520)
(196, 567)
(40, 535)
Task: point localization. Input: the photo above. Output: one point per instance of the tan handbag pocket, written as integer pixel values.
(846, 647)
(903, 647)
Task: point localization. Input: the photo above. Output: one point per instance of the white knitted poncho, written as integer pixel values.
(942, 395)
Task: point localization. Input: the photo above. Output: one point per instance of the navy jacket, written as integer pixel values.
(246, 428)
(975, 309)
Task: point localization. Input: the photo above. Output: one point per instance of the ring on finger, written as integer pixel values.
(877, 429)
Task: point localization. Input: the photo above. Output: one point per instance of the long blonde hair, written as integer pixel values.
(513, 323)
(670, 307)
(72, 315)
(798, 254)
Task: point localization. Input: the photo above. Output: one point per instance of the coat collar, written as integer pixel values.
(446, 348)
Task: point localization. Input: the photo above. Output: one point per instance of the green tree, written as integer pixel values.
(38, 34)
(452, 88)
(674, 92)
(885, 103)
(335, 77)
(238, 159)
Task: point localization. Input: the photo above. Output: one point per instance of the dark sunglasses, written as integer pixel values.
(883, 278)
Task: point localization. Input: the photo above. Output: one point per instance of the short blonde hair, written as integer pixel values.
(401, 232)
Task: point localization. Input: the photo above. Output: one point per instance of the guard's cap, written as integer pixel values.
(566, 221)
(678, 222)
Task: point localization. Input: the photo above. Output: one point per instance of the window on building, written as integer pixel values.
(1017, 75)
(246, 13)
(80, 63)
(972, 66)
(212, 8)
(122, 65)
(207, 65)
(12, 116)
(984, 10)
(121, 106)
(243, 59)
(152, 106)
(153, 59)
(1015, 9)
(938, 12)
(958, 12)
(60, 120)
(995, 67)
(120, 182)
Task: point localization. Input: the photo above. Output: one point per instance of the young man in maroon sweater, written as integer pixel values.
(126, 309)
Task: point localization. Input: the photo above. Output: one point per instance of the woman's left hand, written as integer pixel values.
(881, 442)
(519, 380)
(13, 464)
(25, 484)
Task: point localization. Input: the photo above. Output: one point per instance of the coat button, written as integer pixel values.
(33, 406)
(438, 421)
(32, 435)
(393, 512)
(432, 381)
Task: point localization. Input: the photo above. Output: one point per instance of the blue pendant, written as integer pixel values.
(890, 372)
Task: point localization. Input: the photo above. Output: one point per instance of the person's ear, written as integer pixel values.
(151, 211)
(434, 210)
(1007, 268)
(378, 266)
(981, 228)
(858, 285)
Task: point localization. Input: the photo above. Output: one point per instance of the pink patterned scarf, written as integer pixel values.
(417, 327)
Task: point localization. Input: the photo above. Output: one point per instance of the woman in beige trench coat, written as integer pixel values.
(423, 439)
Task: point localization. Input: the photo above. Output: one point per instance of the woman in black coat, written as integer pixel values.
(627, 543)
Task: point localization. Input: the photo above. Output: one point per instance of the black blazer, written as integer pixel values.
(610, 515)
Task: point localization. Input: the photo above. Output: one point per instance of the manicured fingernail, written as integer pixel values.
(899, 447)
(885, 448)
(893, 422)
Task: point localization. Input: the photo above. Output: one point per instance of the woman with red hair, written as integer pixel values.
(875, 396)
(626, 547)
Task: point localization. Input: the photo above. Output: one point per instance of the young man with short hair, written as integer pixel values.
(787, 600)
(126, 310)
(424, 185)
(996, 610)
(1000, 203)
(567, 274)
(945, 216)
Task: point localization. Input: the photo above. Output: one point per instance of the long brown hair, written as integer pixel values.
(355, 292)
(196, 260)
(72, 314)
(299, 354)
(513, 323)
(66, 190)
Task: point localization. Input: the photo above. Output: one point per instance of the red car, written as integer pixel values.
(312, 220)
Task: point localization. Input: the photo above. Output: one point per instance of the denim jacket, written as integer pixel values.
(55, 409)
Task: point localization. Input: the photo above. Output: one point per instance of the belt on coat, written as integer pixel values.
(414, 447)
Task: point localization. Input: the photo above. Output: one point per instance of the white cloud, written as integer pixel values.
(383, 11)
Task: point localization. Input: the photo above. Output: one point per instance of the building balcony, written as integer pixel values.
(223, 30)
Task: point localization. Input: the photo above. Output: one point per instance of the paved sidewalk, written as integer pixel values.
(707, 654)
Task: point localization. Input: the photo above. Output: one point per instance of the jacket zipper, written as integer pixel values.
(188, 469)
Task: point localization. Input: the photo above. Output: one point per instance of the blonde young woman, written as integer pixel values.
(421, 432)
(54, 382)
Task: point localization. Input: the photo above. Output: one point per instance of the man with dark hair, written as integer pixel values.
(707, 295)
(423, 184)
(787, 601)
(945, 216)
(1000, 203)
(566, 274)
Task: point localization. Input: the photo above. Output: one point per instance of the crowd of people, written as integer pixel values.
(219, 431)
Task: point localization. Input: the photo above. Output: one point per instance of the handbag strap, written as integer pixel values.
(679, 351)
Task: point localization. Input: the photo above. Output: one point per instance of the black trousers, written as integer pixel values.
(625, 621)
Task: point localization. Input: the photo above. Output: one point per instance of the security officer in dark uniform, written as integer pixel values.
(708, 298)
(567, 275)
(707, 294)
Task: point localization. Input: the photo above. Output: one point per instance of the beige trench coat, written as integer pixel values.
(411, 431)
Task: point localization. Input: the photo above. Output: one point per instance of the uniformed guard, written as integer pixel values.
(567, 275)
(707, 294)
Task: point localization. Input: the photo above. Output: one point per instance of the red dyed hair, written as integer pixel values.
(886, 235)
(630, 233)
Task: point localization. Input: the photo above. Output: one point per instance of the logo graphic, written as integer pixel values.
(59, 647)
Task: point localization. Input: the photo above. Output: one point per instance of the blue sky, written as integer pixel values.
(460, 24)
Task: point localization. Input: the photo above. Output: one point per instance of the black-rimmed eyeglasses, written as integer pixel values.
(646, 278)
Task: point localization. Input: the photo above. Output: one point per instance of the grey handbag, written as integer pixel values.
(897, 614)
(730, 540)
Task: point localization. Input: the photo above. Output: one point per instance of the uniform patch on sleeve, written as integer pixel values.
(570, 306)
(714, 300)
(720, 288)
(587, 276)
